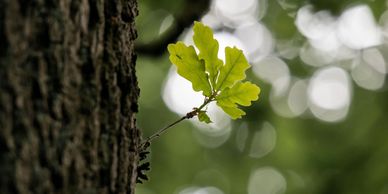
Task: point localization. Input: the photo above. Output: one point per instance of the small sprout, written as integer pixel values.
(223, 83)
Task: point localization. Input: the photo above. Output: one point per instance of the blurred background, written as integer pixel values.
(320, 125)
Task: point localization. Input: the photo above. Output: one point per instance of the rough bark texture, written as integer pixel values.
(68, 96)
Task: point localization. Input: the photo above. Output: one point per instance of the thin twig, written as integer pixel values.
(161, 131)
(189, 115)
(157, 134)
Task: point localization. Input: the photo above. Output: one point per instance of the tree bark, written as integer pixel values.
(68, 96)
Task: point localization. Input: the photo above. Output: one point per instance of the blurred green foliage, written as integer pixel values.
(348, 157)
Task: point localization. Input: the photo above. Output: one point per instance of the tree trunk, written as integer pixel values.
(68, 96)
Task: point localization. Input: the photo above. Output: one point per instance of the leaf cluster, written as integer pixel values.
(218, 81)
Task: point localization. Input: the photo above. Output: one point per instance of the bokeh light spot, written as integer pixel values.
(166, 23)
(297, 98)
(274, 71)
(329, 94)
(266, 180)
(319, 27)
(201, 190)
(257, 40)
(375, 59)
(357, 28)
(242, 136)
(263, 141)
(234, 13)
(367, 77)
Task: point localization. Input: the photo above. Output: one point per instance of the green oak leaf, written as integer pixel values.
(208, 50)
(233, 70)
(203, 117)
(242, 93)
(190, 66)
